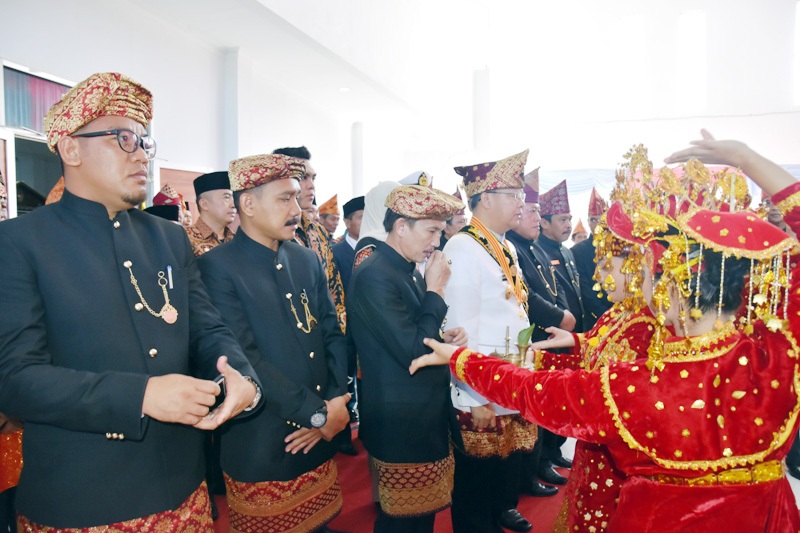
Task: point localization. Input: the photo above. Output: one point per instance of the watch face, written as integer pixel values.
(318, 420)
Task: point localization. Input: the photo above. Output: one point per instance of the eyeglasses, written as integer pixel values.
(516, 195)
(128, 141)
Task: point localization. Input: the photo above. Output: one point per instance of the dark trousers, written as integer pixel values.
(8, 519)
(551, 444)
(793, 457)
(392, 524)
(530, 466)
(484, 488)
(214, 477)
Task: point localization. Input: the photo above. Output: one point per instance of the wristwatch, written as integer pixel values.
(320, 417)
(258, 394)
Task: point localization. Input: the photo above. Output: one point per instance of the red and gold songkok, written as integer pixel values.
(99, 95)
(257, 170)
(423, 203)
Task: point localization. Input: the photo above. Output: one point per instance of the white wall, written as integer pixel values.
(192, 82)
(72, 40)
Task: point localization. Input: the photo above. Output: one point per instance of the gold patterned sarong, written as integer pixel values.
(414, 489)
(303, 504)
(512, 434)
(192, 516)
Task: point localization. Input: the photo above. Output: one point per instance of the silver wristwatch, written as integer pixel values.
(258, 394)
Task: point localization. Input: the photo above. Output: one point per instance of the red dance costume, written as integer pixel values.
(594, 482)
(700, 441)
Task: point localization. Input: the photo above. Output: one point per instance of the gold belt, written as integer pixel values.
(760, 473)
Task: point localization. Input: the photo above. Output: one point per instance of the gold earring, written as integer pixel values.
(609, 285)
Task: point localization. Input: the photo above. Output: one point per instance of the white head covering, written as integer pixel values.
(375, 211)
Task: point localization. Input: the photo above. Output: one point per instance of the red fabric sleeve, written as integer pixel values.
(566, 402)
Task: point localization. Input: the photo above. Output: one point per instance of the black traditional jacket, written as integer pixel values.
(543, 309)
(77, 347)
(403, 418)
(593, 305)
(569, 287)
(260, 295)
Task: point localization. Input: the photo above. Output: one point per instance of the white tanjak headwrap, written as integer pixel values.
(375, 210)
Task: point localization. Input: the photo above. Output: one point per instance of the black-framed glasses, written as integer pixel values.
(128, 141)
(516, 195)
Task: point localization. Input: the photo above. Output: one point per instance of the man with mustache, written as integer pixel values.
(315, 237)
(488, 297)
(556, 227)
(109, 346)
(216, 212)
(273, 293)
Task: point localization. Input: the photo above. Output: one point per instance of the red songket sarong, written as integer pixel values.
(303, 504)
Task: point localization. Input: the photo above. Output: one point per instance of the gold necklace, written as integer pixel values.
(168, 313)
(310, 320)
(546, 284)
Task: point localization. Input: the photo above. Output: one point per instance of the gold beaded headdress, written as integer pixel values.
(692, 207)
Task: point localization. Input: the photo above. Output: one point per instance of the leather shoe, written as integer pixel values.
(514, 521)
(539, 490)
(793, 470)
(347, 449)
(549, 475)
(563, 462)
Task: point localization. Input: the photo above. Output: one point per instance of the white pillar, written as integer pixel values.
(230, 106)
(357, 157)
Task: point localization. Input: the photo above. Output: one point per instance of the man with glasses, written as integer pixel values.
(488, 297)
(109, 346)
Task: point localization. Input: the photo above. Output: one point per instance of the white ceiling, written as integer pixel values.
(555, 65)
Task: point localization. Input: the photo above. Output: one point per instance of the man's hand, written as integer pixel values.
(338, 416)
(437, 272)
(178, 399)
(303, 439)
(483, 417)
(239, 393)
(456, 336)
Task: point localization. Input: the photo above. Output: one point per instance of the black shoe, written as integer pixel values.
(549, 475)
(514, 521)
(214, 510)
(539, 490)
(563, 462)
(347, 449)
(793, 470)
